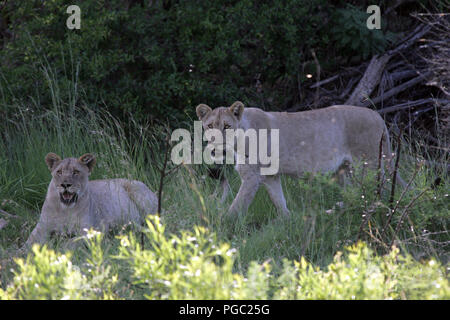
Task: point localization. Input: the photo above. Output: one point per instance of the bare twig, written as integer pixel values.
(394, 177)
(319, 83)
(405, 213)
(379, 177)
(316, 96)
(394, 210)
(163, 173)
(419, 32)
(410, 104)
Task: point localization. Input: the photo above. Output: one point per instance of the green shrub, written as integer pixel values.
(359, 274)
(194, 265)
(159, 62)
(353, 38)
(46, 274)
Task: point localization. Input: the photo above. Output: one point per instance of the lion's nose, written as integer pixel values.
(66, 185)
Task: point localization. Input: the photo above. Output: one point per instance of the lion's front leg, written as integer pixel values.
(245, 195)
(273, 186)
(38, 235)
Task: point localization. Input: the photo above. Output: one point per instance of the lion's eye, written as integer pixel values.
(75, 172)
(210, 126)
(226, 126)
(59, 172)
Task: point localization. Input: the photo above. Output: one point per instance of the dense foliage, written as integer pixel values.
(195, 266)
(159, 59)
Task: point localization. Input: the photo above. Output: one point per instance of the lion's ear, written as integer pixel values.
(52, 159)
(88, 160)
(237, 109)
(202, 110)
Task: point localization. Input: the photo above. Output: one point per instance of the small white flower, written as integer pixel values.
(124, 242)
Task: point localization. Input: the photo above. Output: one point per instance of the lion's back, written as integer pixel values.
(122, 199)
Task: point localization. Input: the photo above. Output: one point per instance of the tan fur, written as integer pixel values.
(100, 204)
(322, 140)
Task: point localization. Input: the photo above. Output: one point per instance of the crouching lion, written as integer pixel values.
(323, 140)
(74, 204)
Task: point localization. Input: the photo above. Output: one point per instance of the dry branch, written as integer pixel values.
(369, 81)
(318, 84)
(374, 71)
(410, 104)
(397, 89)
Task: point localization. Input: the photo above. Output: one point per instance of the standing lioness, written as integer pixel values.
(322, 140)
(74, 204)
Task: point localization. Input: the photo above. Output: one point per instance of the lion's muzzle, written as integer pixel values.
(68, 197)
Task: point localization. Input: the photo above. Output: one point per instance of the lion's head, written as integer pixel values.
(221, 119)
(70, 176)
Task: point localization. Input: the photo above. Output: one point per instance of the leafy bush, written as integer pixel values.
(158, 60)
(195, 266)
(46, 274)
(352, 36)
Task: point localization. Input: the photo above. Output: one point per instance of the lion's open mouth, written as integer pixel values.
(68, 197)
